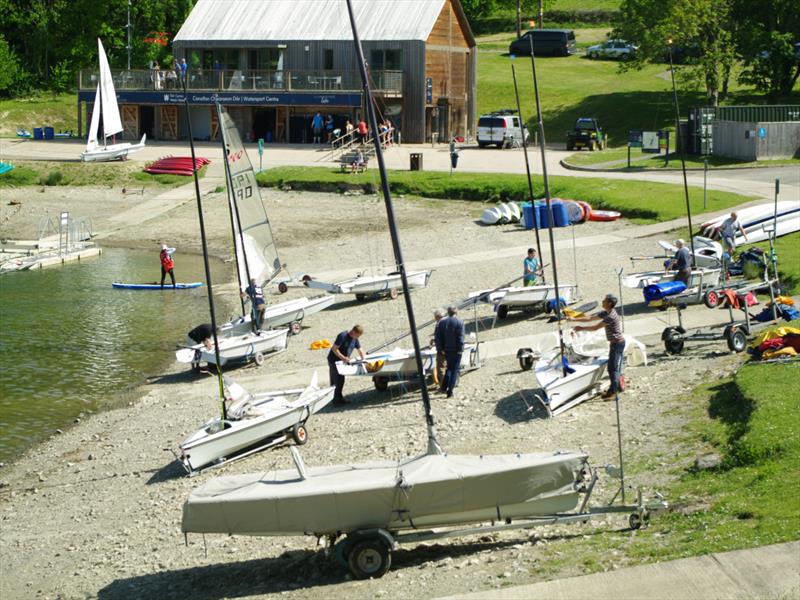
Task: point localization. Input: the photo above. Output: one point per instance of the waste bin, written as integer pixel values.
(560, 215)
(527, 215)
(38, 134)
(49, 133)
(454, 159)
(416, 161)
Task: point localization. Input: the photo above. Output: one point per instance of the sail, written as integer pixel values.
(111, 121)
(95, 124)
(260, 254)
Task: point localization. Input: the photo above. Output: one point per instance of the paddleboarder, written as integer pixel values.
(342, 348)
(167, 265)
(609, 318)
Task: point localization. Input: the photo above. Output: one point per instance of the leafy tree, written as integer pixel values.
(9, 68)
(704, 25)
(765, 39)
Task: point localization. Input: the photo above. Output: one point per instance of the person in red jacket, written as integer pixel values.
(167, 264)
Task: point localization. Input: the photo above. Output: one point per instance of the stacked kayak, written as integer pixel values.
(176, 165)
(5, 167)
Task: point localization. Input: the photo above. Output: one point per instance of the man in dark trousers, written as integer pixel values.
(609, 318)
(342, 348)
(682, 262)
(450, 338)
(438, 316)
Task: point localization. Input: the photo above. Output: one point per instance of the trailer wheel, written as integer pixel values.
(282, 287)
(295, 327)
(381, 383)
(361, 297)
(637, 521)
(737, 340)
(502, 311)
(711, 299)
(299, 434)
(369, 558)
(259, 358)
(673, 342)
(526, 362)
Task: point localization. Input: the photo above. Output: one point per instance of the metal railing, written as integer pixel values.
(244, 80)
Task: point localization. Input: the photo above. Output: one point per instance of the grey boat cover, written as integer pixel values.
(427, 490)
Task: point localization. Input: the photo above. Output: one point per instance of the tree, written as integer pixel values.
(765, 39)
(704, 25)
(9, 68)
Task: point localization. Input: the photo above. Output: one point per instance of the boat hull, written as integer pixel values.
(402, 364)
(517, 297)
(284, 313)
(240, 348)
(112, 152)
(706, 277)
(378, 284)
(429, 490)
(559, 390)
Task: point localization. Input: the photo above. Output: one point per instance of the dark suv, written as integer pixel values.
(557, 42)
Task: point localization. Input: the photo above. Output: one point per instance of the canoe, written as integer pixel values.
(154, 286)
(587, 210)
(604, 215)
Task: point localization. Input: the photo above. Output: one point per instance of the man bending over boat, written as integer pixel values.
(609, 318)
(202, 334)
(530, 269)
(450, 338)
(342, 348)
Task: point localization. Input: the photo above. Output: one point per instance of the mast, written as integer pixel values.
(228, 188)
(549, 210)
(205, 254)
(433, 443)
(527, 169)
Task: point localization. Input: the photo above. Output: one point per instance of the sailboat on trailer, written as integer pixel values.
(370, 502)
(105, 104)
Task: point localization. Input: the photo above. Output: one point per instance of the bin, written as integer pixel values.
(416, 161)
(560, 214)
(453, 159)
(38, 134)
(527, 215)
(49, 133)
(544, 216)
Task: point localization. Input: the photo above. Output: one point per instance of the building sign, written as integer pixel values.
(649, 141)
(429, 90)
(230, 98)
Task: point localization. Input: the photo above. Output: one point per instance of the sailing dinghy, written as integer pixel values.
(105, 105)
(254, 422)
(757, 221)
(367, 286)
(520, 298)
(370, 502)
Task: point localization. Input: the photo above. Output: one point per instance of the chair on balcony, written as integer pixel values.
(313, 81)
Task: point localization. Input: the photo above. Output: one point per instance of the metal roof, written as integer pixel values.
(298, 20)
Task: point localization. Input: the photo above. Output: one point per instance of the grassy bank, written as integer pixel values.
(59, 111)
(617, 158)
(122, 174)
(643, 202)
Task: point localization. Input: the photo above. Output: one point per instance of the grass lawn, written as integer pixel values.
(640, 160)
(79, 174)
(642, 202)
(59, 111)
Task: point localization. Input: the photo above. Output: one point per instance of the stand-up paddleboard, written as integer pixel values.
(155, 286)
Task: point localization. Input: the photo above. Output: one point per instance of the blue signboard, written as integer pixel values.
(230, 98)
(429, 90)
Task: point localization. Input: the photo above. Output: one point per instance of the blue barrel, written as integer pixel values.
(527, 215)
(544, 216)
(560, 214)
(38, 134)
(657, 291)
(49, 133)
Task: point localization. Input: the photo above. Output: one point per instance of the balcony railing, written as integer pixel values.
(235, 80)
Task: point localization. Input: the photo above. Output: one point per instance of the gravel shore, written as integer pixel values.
(95, 510)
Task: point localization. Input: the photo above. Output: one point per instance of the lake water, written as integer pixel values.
(69, 342)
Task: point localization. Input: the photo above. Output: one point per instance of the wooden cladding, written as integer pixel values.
(169, 123)
(130, 121)
(447, 31)
(447, 57)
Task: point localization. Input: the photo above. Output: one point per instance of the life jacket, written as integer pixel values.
(166, 260)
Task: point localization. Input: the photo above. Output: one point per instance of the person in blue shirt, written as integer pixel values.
(450, 338)
(316, 127)
(682, 262)
(530, 269)
(346, 342)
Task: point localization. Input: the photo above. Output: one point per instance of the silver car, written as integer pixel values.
(613, 49)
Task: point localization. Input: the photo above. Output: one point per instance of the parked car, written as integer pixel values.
(502, 128)
(587, 133)
(614, 49)
(556, 42)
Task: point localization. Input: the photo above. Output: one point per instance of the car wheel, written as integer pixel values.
(482, 144)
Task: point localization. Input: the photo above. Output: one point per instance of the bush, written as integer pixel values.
(52, 178)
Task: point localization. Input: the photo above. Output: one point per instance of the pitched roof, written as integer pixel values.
(300, 20)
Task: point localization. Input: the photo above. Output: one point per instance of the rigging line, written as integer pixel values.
(549, 210)
(528, 169)
(433, 443)
(206, 265)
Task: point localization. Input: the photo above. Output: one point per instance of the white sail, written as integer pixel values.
(95, 124)
(112, 124)
(260, 258)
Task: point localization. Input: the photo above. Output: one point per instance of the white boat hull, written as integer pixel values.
(379, 284)
(429, 490)
(401, 364)
(708, 277)
(240, 348)
(560, 390)
(112, 152)
(515, 297)
(284, 313)
(268, 416)
(753, 217)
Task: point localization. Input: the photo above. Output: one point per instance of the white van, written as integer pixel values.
(503, 129)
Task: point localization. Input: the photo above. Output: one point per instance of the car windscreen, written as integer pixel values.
(490, 122)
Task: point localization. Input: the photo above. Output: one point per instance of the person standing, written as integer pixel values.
(184, 69)
(167, 265)
(682, 262)
(530, 269)
(450, 338)
(362, 131)
(316, 128)
(156, 75)
(346, 342)
(329, 128)
(438, 374)
(609, 318)
(728, 230)
(348, 130)
(257, 300)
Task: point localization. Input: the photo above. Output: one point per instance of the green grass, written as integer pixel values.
(616, 158)
(122, 174)
(643, 202)
(787, 248)
(53, 110)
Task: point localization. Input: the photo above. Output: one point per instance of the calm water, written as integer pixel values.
(70, 342)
